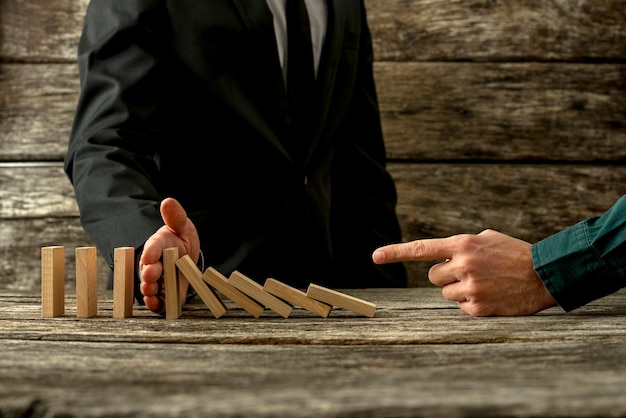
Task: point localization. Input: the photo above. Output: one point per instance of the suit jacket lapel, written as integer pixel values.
(258, 18)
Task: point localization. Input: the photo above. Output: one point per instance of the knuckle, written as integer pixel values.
(466, 242)
(465, 268)
(419, 249)
(477, 309)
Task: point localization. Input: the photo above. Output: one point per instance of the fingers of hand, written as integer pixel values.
(151, 286)
(426, 249)
(154, 303)
(153, 295)
(442, 274)
(151, 289)
(454, 292)
(150, 273)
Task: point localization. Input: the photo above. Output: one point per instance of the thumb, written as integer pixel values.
(174, 216)
(177, 222)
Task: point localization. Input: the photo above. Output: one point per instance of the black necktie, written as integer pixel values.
(300, 70)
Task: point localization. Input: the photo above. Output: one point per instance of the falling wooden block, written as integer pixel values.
(296, 297)
(123, 281)
(173, 304)
(215, 279)
(256, 292)
(189, 269)
(52, 281)
(341, 300)
(86, 282)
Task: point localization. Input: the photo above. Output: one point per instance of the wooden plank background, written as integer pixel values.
(503, 114)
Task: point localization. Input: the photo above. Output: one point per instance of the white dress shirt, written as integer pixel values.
(318, 16)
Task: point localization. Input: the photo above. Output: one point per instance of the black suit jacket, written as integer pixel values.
(186, 99)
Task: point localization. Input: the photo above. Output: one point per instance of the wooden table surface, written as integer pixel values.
(419, 356)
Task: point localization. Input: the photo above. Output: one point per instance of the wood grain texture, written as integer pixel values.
(529, 201)
(296, 297)
(256, 292)
(211, 299)
(35, 191)
(21, 244)
(220, 283)
(37, 104)
(171, 284)
(40, 30)
(503, 112)
(86, 282)
(342, 300)
(52, 281)
(124, 281)
(503, 30)
(407, 361)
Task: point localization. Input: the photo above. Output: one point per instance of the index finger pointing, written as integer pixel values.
(425, 249)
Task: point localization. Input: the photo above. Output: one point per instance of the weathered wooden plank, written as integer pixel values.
(35, 190)
(421, 30)
(40, 30)
(21, 241)
(511, 30)
(407, 362)
(527, 201)
(163, 380)
(438, 111)
(416, 316)
(37, 104)
(430, 111)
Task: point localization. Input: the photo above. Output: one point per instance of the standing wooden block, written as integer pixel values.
(52, 281)
(123, 281)
(341, 300)
(255, 291)
(86, 282)
(194, 277)
(173, 304)
(296, 297)
(215, 279)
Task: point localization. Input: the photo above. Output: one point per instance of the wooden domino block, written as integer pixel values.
(86, 282)
(173, 304)
(123, 281)
(296, 297)
(215, 279)
(341, 300)
(189, 269)
(256, 292)
(52, 281)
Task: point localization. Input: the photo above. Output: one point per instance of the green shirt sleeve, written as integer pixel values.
(586, 261)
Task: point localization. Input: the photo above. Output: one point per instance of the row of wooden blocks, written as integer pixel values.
(53, 282)
(245, 292)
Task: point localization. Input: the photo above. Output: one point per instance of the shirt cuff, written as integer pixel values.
(572, 269)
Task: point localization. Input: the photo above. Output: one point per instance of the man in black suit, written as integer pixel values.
(191, 100)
